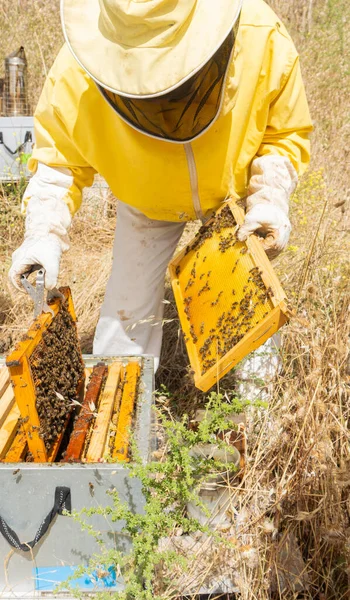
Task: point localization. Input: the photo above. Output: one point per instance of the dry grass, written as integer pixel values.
(297, 479)
(297, 482)
(34, 24)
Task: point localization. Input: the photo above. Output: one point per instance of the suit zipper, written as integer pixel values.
(194, 181)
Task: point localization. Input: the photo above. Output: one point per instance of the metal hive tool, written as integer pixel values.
(228, 296)
(47, 374)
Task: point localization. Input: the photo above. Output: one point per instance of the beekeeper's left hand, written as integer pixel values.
(273, 180)
(271, 224)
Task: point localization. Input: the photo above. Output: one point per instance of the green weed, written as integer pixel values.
(167, 486)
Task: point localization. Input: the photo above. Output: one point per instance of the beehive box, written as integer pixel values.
(97, 427)
(29, 488)
(228, 296)
(53, 407)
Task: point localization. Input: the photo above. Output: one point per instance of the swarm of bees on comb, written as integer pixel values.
(224, 290)
(57, 369)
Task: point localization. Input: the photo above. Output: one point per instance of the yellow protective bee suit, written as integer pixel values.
(239, 126)
(263, 111)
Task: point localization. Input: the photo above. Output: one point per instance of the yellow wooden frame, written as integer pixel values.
(22, 381)
(104, 414)
(126, 411)
(257, 335)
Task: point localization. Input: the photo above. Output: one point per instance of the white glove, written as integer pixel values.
(273, 180)
(271, 223)
(47, 223)
(37, 251)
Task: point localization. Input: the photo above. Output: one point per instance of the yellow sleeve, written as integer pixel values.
(54, 145)
(289, 123)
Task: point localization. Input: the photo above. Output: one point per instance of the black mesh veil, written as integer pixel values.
(184, 113)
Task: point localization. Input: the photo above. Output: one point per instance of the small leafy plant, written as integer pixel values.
(167, 486)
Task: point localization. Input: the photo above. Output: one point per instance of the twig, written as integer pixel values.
(41, 54)
(310, 16)
(310, 253)
(300, 433)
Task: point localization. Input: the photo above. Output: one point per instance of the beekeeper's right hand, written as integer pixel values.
(37, 251)
(47, 223)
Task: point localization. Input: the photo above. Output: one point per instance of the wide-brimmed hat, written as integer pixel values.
(145, 48)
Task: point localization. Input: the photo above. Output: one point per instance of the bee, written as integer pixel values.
(189, 284)
(205, 288)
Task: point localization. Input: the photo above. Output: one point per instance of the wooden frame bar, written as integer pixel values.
(122, 438)
(84, 420)
(7, 400)
(4, 380)
(9, 430)
(105, 409)
(18, 449)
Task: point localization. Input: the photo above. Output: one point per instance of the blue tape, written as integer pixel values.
(47, 578)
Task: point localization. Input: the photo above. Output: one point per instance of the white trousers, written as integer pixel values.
(131, 315)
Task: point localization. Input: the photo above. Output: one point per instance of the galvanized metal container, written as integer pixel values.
(15, 93)
(27, 496)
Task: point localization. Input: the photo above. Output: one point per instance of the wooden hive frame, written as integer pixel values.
(267, 326)
(125, 412)
(9, 414)
(18, 363)
(107, 398)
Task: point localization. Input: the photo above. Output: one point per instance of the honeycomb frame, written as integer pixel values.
(18, 363)
(193, 320)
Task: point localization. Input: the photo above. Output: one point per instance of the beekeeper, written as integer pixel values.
(178, 104)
